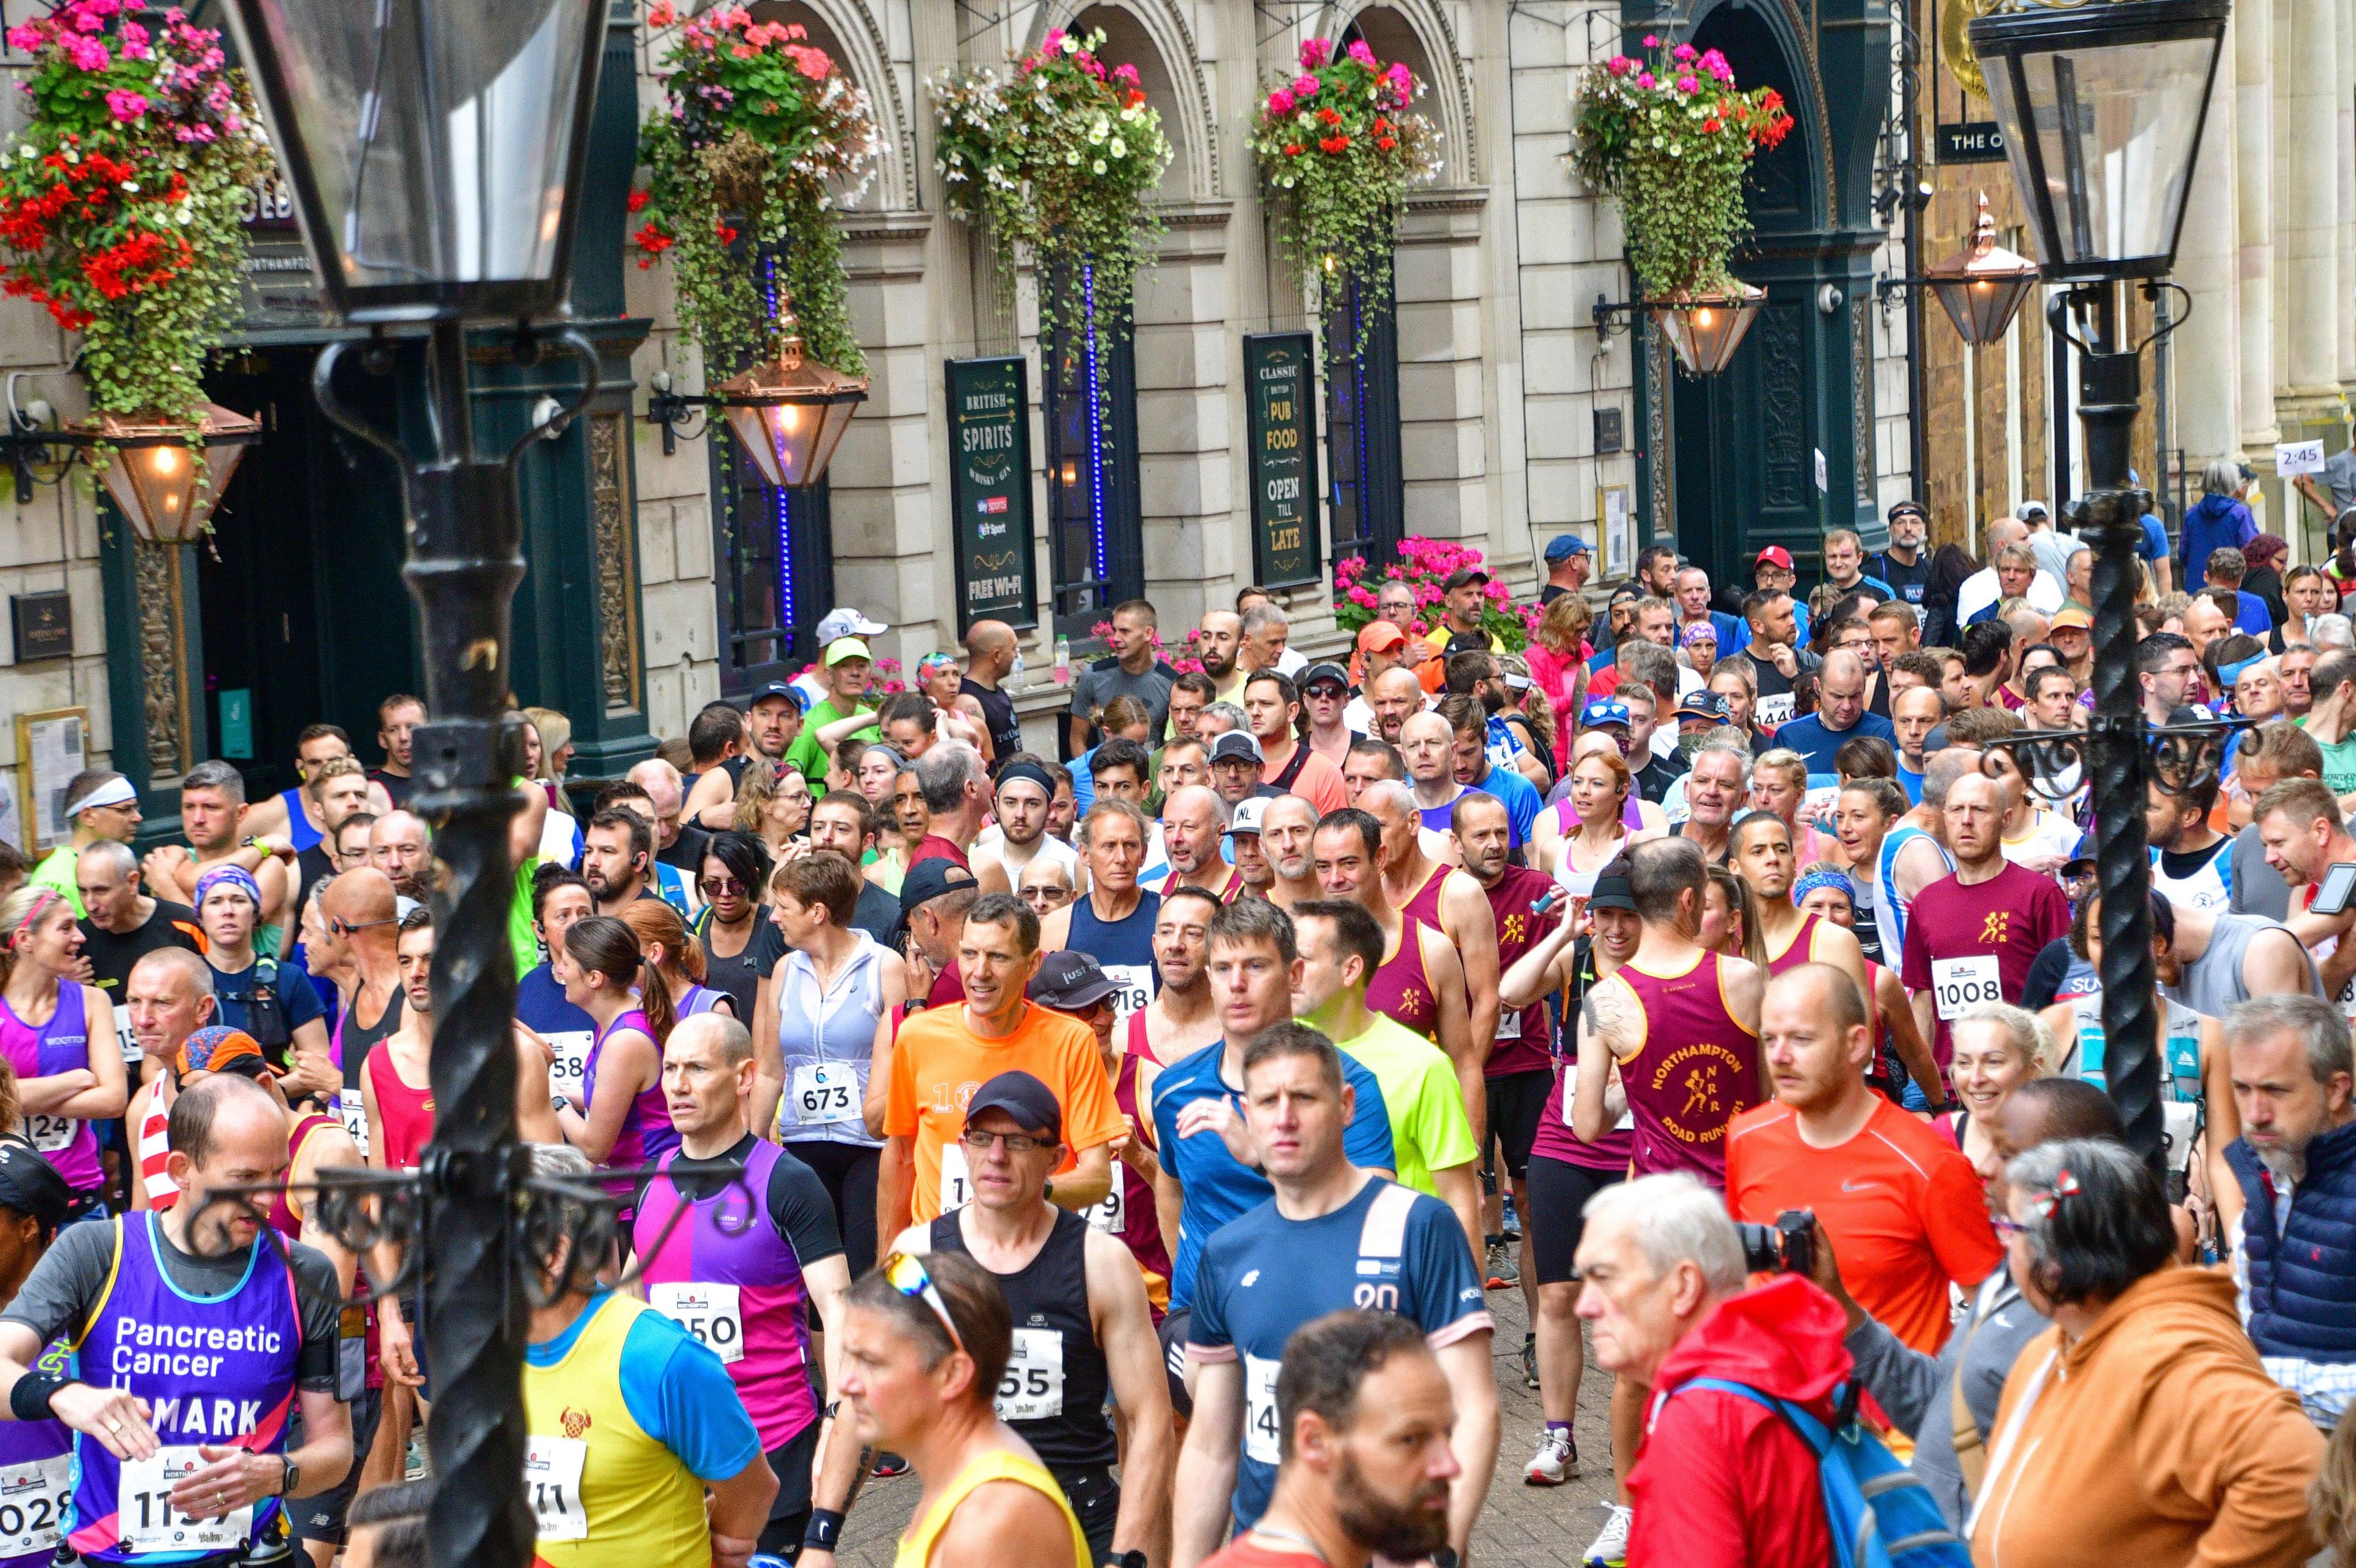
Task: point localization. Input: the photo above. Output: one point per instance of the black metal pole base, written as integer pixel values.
(2108, 388)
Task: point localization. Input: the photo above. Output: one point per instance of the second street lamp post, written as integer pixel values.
(2101, 106)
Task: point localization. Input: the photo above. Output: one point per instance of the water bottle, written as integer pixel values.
(1063, 661)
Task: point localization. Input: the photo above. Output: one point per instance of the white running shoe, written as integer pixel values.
(1609, 1547)
(1556, 1461)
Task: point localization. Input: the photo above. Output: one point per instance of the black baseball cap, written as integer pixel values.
(1068, 981)
(1323, 670)
(774, 689)
(928, 880)
(31, 1185)
(1614, 892)
(1030, 1103)
(1463, 575)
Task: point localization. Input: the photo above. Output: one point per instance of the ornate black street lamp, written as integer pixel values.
(2101, 106)
(435, 150)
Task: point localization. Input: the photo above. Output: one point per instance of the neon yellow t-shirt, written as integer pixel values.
(1429, 1130)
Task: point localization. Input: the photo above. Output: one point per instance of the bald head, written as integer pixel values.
(1399, 681)
(729, 1040)
(359, 898)
(171, 973)
(1192, 818)
(661, 781)
(2005, 531)
(988, 638)
(1194, 804)
(1224, 621)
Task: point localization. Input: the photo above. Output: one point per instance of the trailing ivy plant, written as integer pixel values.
(1671, 138)
(1338, 146)
(1059, 156)
(761, 139)
(123, 199)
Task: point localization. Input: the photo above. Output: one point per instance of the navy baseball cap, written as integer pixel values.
(1562, 547)
(1704, 704)
(785, 690)
(1325, 670)
(1030, 1103)
(928, 880)
(1604, 710)
(1069, 980)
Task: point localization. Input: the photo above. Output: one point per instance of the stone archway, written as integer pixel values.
(1152, 36)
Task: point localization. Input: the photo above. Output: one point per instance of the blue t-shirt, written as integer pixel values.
(1521, 798)
(1389, 1248)
(298, 1000)
(675, 1389)
(1218, 1188)
(1809, 736)
(2250, 614)
(2155, 539)
(1911, 781)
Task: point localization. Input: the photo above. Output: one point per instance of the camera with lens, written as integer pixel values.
(1787, 1247)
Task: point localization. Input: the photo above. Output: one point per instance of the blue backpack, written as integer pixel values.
(1880, 1516)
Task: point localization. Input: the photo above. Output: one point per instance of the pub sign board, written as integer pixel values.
(1280, 368)
(1972, 142)
(990, 456)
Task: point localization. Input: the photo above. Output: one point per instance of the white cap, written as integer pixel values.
(1248, 816)
(846, 622)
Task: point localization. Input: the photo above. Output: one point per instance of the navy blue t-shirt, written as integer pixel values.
(1390, 1248)
(298, 1001)
(540, 1007)
(1218, 1188)
(1809, 736)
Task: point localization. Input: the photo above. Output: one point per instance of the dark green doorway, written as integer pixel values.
(299, 599)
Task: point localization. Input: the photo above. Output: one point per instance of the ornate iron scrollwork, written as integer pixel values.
(2179, 758)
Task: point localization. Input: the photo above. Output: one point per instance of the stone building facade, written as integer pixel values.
(1498, 409)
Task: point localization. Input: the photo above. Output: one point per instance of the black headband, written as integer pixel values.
(1032, 770)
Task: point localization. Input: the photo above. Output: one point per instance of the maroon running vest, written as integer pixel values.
(1400, 990)
(1696, 1070)
(1133, 1221)
(1802, 945)
(1424, 902)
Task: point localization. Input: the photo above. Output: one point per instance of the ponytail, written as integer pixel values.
(20, 912)
(654, 1001)
(606, 946)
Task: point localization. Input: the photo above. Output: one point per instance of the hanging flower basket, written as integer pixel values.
(121, 208)
(760, 139)
(1338, 147)
(1671, 137)
(1060, 156)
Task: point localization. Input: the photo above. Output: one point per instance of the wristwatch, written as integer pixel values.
(1132, 1558)
(291, 1479)
(559, 1103)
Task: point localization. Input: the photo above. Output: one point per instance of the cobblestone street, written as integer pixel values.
(1526, 1526)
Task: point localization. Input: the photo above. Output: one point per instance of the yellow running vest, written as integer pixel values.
(999, 1465)
(605, 1493)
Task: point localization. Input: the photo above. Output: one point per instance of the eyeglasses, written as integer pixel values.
(1016, 1143)
(2006, 1226)
(906, 1273)
(346, 927)
(720, 887)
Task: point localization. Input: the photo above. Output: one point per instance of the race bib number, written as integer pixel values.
(128, 1043)
(1262, 1444)
(1032, 1388)
(552, 1481)
(50, 1135)
(1111, 1216)
(1960, 983)
(568, 1073)
(33, 1504)
(825, 1092)
(1773, 711)
(1135, 989)
(714, 1314)
(353, 1114)
(1509, 1025)
(150, 1522)
(957, 1177)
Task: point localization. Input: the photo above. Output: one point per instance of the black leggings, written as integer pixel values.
(848, 1170)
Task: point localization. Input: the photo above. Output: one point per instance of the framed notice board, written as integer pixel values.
(51, 747)
(989, 490)
(1280, 373)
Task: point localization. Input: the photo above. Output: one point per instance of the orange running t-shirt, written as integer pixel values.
(937, 1063)
(1902, 1206)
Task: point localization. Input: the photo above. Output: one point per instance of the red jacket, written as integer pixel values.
(1723, 1480)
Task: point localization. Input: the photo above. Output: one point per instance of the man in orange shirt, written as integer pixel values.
(1273, 705)
(944, 1054)
(1900, 1203)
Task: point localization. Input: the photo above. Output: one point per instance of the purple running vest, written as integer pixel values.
(1402, 991)
(35, 1479)
(1696, 1072)
(646, 1135)
(731, 1239)
(60, 1045)
(214, 1370)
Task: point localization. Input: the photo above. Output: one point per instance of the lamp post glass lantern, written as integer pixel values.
(1704, 331)
(790, 413)
(436, 149)
(1983, 287)
(433, 144)
(156, 480)
(2101, 106)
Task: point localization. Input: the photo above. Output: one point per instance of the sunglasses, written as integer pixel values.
(718, 887)
(906, 1273)
(346, 927)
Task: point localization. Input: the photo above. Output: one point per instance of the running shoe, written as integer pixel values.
(1556, 1461)
(1513, 1220)
(1609, 1547)
(1504, 1272)
(1530, 1361)
(888, 1466)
